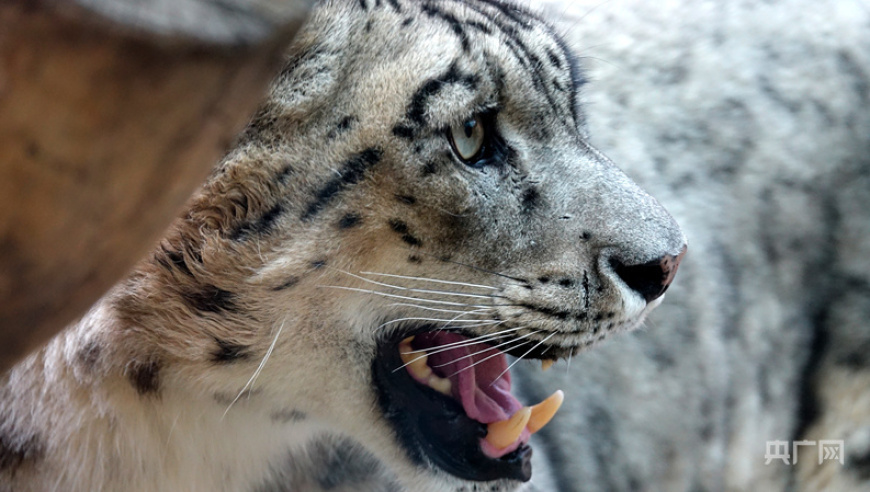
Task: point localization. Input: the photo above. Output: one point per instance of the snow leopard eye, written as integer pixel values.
(468, 139)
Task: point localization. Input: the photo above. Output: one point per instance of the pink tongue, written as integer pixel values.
(477, 372)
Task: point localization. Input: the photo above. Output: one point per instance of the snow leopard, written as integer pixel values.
(415, 201)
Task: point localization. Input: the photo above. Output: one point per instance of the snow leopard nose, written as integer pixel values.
(650, 279)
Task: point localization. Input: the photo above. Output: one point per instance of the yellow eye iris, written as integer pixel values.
(467, 138)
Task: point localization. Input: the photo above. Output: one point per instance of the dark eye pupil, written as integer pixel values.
(469, 127)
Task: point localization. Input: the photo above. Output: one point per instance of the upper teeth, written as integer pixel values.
(543, 412)
(416, 362)
(499, 434)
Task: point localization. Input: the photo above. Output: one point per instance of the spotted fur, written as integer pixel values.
(239, 355)
(750, 120)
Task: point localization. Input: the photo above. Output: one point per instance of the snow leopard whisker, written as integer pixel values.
(434, 280)
(518, 339)
(482, 322)
(450, 346)
(551, 335)
(259, 369)
(427, 353)
(445, 322)
(407, 298)
(426, 308)
(484, 350)
(469, 341)
(422, 291)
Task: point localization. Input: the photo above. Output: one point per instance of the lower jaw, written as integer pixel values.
(434, 429)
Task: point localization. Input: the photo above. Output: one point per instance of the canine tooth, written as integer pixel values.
(415, 361)
(543, 412)
(405, 350)
(406, 355)
(503, 434)
(441, 385)
(417, 365)
(547, 363)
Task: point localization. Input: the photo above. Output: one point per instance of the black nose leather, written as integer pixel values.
(650, 279)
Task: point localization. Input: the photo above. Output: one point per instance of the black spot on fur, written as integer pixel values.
(403, 131)
(229, 352)
(341, 465)
(89, 354)
(407, 22)
(172, 260)
(395, 5)
(411, 240)
(349, 220)
(145, 377)
(555, 313)
(531, 199)
(585, 236)
(430, 168)
(398, 226)
(406, 199)
(452, 21)
(329, 464)
(554, 59)
(259, 226)
(17, 450)
(511, 12)
(543, 280)
(290, 282)
(566, 282)
(480, 27)
(343, 126)
(284, 173)
(415, 259)
(287, 415)
(402, 229)
(351, 173)
(585, 287)
(318, 264)
(416, 111)
(210, 299)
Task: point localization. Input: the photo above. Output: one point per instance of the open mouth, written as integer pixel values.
(449, 398)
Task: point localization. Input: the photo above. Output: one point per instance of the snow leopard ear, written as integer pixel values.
(163, 90)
